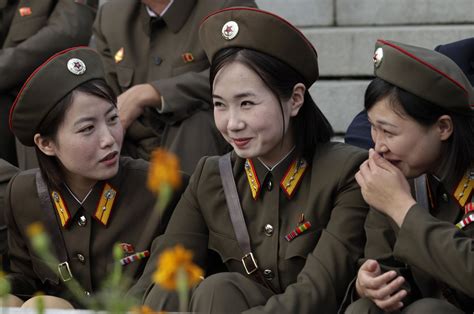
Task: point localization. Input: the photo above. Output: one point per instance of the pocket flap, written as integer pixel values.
(26, 28)
(302, 245)
(124, 76)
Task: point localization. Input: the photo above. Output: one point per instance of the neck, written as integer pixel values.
(80, 186)
(157, 5)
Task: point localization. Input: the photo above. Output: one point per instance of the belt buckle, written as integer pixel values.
(65, 271)
(249, 260)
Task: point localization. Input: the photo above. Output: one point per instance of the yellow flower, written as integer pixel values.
(170, 262)
(144, 310)
(35, 229)
(164, 170)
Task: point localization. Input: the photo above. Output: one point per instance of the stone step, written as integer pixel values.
(340, 101)
(347, 51)
(302, 13)
(402, 12)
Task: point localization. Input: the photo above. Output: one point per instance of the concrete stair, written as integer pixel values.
(344, 33)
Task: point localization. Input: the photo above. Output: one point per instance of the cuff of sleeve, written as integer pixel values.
(162, 109)
(416, 215)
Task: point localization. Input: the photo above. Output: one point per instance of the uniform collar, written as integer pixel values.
(463, 188)
(288, 173)
(99, 204)
(178, 13)
(175, 16)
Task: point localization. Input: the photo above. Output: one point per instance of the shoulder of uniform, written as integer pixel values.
(118, 6)
(340, 152)
(129, 164)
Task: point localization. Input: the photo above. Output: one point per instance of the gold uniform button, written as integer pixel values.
(81, 258)
(268, 230)
(268, 274)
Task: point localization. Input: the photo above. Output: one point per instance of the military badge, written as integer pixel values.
(76, 66)
(230, 30)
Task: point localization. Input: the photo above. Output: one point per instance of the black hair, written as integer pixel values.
(459, 149)
(310, 125)
(50, 165)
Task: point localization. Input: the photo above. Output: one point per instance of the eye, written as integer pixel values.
(218, 104)
(113, 119)
(87, 129)
(246, 103)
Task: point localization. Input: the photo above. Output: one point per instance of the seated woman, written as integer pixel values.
(87, 197)
(291, 237)
(420, 256)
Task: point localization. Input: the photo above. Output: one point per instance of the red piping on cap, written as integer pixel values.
(425, 63)
(31, 77)
(265, 12)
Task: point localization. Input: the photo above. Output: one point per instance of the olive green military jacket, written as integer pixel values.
(167, 54)
(87, 237)
(435, 257)
(311, 271)
(7, 171)
(32, 31)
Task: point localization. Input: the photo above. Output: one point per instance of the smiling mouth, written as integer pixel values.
(240, 142)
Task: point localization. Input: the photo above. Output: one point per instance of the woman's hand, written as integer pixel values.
(384, 187)
(382, 289)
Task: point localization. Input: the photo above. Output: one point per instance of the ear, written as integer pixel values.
(444, 126)
(45, 144)
(297, 99)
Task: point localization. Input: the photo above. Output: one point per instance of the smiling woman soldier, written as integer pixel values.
(282, 211)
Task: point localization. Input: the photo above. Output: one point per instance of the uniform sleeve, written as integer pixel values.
(22, 278)
(69, 25)
(437, 247)
(7, 171)
(333, 263)
(186, 227)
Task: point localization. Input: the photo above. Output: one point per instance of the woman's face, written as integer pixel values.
(248, 114)
(410, 146)
(89, 140)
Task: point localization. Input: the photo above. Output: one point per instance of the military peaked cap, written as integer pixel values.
(48, 85)
(261, 31)
(425, 73)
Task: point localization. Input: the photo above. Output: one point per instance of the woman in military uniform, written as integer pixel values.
(291, 232)
(86, 196)
(419, 252)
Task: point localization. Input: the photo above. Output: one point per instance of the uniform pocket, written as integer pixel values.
(302, 245)
(227, 248)
(26, 28)
(43, 272)
(195, 66)
(124, 76)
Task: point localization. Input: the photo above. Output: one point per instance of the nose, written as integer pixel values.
(106, 139)
(235, 122)
(380, 145)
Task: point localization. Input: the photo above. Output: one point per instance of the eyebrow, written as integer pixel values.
(238, 96)
(85, 119)
(382, 122)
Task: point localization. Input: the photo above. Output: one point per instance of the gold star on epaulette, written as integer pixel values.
(252, 178)
(61, 208)
(463, 191)
(293, 177)
(104, 209)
